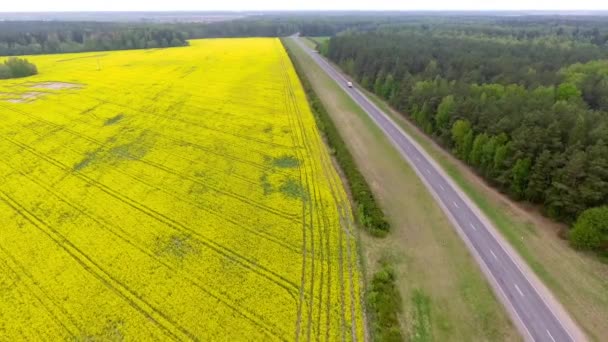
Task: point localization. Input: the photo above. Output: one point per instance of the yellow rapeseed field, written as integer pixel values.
(171, 194)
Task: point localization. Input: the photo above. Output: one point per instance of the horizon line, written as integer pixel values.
(304, 10)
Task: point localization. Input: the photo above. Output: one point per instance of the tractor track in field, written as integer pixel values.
(212, 245)
(212, 211)
(302, 175)
(207, 110)
(312, 201)
(301, 129)
(158, 153)
(30, 284)
(103, 145)
(313, 193)
(189, 123)
(181, 142)
(345, 222)
(165, 323)
(198, 124)
(222, 296)
(172, 118)
(121, 83)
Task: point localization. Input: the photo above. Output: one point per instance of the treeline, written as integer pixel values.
(286, 24)
(43, 37)
(582, 29)
(528, 111)
(16, 68)
(29, 38)
(369, 214)
(37, 37)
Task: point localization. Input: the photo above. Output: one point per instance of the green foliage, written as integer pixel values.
(286, 162)
(592, 79)
(591, 230)
(567, 91)
(462, 135)
(520, 174)
(29, 38)
(16, 68)
(477, 151)
(292, 188)
(422, 317)
(522, 105)
(5, 72)
(444, 112)
(113, 120)
(384, 306)
(371, 216)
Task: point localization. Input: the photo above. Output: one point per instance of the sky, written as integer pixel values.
(264, 5)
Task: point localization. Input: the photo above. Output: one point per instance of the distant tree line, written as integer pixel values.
(286, 24)
(43, 37)
(16, 68)
(590, 29)
(40, 37)
(524, 102)
(29, 38)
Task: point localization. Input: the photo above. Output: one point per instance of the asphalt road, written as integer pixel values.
(533, 310)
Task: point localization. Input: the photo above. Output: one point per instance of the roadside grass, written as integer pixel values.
(578, 279)
(310, 42)
(369, 214)
(384, 303)
(515, 232)
(320, 39)
(444, 295)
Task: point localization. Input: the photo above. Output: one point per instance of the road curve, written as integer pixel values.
(533, 309)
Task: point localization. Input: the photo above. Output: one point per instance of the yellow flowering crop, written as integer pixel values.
(163, 194)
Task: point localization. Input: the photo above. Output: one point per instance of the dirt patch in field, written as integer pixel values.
(24, 97)
(56, 85)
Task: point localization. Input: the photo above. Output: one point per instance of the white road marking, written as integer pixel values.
(455, 204)
(473, 226)
(519, 290)
(494, 255)
(441, 187)
(551, 336)
(428, 171)
(418, 159)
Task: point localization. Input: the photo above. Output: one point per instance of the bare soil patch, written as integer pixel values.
(56, 85)
(24, 97)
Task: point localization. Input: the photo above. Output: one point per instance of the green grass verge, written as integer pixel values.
(318, 40)
(513, 231)
(370, 215)
(384, 305)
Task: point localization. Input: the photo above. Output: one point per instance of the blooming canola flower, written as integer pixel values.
(180, 193)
